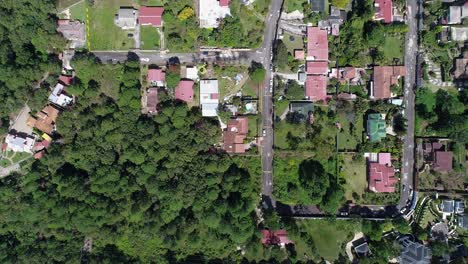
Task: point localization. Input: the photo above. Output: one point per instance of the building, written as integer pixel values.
(459, 34)
(184, 91)
(454, 15)
(211, 12)
(461, 67)
(59, 97)
(66, 80)
(383, 11)
(317, 5)
(45, 119)
(150, 16)
(382, 174)
(73, 31)
(347, 75)
(459, 207)
(302, 107)
(19, 143)
(234, 135)
(334, 21)
(278, 237)
(299, 54)
(414, 253)
(209, 97)
(317, 67)
(435, 155)
(384, 77)
(152, 100)
(463, 221)
(156, 77)
(360, 247)
(317, 44)
(376, 127)
(126, 18)
(316, 88)
(191, 72)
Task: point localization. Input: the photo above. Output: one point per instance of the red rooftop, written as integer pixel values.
(317, 67)
(235, 134)
(151, 16)
(184, 91)
(384, 78)
(384, 10)
(278, 237)
(382, 174)
(317, 44)
(316, 88)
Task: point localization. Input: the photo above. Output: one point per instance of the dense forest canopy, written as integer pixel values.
(28, 41)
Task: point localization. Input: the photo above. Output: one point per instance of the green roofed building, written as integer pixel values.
(376, 127)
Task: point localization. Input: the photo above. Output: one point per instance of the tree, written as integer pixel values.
(314, 179)
(257, 72)
(172, 79)
(341, 4)
(186, 13)
(280, 60)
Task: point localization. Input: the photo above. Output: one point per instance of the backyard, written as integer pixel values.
(78, 11)
(352, 126)
(149, 37)
(354, 173)
(10, 157)
(293, 5)
(393, 49)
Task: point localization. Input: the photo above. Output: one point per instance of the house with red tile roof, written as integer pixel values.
(382, 174)
(383, 78)
(436, 156)
(317, 44)
(184, 91)
(224, 3)
(66, 80)
(156, 77)
(277, 237)
(152, 100)
(383, 10)
(234, 135)
(151, 16)
(317, 67)
(316, 88)
(299, 54)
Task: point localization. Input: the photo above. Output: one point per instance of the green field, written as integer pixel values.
(79, 11)
(293, 42)
(280, 106)
(104, 34)
(351, 132)
(254, 124)
(281, 131)
(354, 172)
(149, 37)
(393, 48)
(293, 5)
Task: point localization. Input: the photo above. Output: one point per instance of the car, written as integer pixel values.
(264, 132)
(271, 89)
(144, 59)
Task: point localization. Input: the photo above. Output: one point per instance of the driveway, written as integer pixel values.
(19, 124)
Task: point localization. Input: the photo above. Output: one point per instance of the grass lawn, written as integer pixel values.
(281, 131)
(254, 123)
(293, 42)
(351, 132)
(4, 163)
(280, 107)
(354, 172)
(292, 5)
(393, 48)
(20, 156)
(329, 237)
(250, 89)
(149, 37)
(79, 11)
(104, 34)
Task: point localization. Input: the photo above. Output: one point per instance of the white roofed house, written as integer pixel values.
(74, 31)
(17, 143)
(126, 18)
(209, 97)
(58, 96)
(211, 12)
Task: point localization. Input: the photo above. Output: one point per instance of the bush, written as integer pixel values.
(186, 13)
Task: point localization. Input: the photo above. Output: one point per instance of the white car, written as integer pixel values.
(264, 132)
(144, 59)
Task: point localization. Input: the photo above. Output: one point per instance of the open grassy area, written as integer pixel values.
(329, 237)
(149, 37)
(351, 132)
(293, 42)
(4, 163)
(20, 156)
(79, 11)
(292, 5)
(254, 124)
(354, 172)
(281, 133)
(393, 48)
(280, 107)
(250, 89)
(104, 34)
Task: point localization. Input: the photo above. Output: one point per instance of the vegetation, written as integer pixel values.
(29, 49)
(149, 37)
(257, 72)
(186, 13)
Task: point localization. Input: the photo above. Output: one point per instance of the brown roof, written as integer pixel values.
(46, 119)
(152, 100)
(443, 161)
(235, 134)
(384, 77)
(461, 67)
(51, 112)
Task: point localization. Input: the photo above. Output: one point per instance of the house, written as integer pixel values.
(302, 107)
(414, 253)
(384, 77)
(211, 12)
(459, 34)
(382, 174)
(126, 18)
(19, 143)
(278, 237)
(317, 5)
(316, 88)
(443, 161)
(463, 221)
(156, 77)
(150, 16)
(209, 97)
(383, 11)
(59, 97)
(454, 15)
(299, 54)
(461, 67)
(360, 247)
(73, 31)
(317, 67)
(184, 91)
(376, 127)
(334, 21)
(191, 72)
(447, 207)
(152, 100)
(66, 80)
(234, 135)
(459, 207)
(317, 44)
(45, 119)
(347, 75)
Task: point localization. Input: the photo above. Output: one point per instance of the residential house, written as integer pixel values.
(73, 31)
(152, 100)
(317, 5)
(317, 67)
(454, 15)
(40, 148)
(360, 247)
(463, 221)
(317, 64)
(66, 80)
(316, 88)
(437, 157)
(150, 16)
(384, 77)
(414, 253)
(184, 91)
(299, 54)
(376, 127)
(191, 72)
(234, 135)
(461, 67)
(447, 207)
(317, 44)
(334, 21)
(382, 174)
(383, 11)
(211, 12)
(277, 237)
(156, 77)
(19, 143)
(302, 107)
(45, 119)
(459, 34)
(209, 97)
(59, 97)
(349, 75)
(459, 207)
(126, 18)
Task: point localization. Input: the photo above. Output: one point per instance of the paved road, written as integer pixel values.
(411, 50)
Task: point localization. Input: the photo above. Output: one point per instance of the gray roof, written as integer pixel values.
(301, 107)
(447, 206)
(459, 207)
(317, 5)
(415, 253)
(463, 221)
